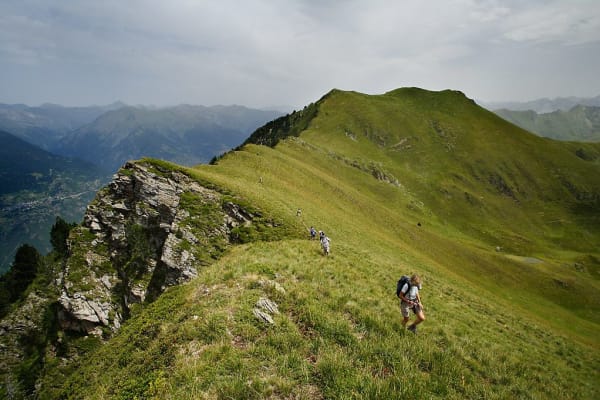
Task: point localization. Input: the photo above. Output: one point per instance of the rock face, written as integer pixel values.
(16, 331)
(151, 228)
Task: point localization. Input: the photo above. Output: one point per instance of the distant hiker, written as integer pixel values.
(325, 244)
(411, 300)
(313, 233)
(260, 180)
(299, 213)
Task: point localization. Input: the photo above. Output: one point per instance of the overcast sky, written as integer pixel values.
(283, 52)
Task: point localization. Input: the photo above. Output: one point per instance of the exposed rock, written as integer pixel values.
(267, 305)
(24, 323)
(263, 316)
(83, 315)
(138, 237)
(275, 285)
(265, 309)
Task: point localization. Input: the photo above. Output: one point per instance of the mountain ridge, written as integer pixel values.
(185, 134)
(413, 181)
(580, 123)
(544, 105)
(43, 126)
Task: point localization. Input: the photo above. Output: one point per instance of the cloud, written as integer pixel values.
(261, 52)
(566, 23)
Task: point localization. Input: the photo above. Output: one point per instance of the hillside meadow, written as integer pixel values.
(407, 182)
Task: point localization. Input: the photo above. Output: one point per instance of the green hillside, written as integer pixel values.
(502, 225)
(580, 123)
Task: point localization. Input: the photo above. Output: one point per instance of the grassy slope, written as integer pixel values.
(497, 327)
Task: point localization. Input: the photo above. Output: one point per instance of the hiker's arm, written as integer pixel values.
(419, 300)
(405, 299)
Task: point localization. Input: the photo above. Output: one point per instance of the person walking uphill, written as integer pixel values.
(325, 242)
(313, 233)
(411, 300)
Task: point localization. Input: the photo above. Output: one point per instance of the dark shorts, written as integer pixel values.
(405, 308)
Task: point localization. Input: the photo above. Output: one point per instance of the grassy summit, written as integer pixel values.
(502, 225)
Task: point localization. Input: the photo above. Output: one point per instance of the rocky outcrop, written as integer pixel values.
(150, 228)
(264, 310)
(20, 333)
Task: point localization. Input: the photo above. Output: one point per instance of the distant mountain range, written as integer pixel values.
(184, 134)
(45, 125)
(543, 105)
(35, 187)
(581, 123)
(107, 136)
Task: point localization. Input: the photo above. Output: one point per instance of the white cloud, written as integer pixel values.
(261, 52)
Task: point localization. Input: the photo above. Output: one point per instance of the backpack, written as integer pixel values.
(404, 279)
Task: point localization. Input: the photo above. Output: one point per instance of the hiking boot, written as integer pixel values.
(413, 329)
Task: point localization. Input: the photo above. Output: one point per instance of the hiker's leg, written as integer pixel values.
(405, 310)
(420, 317)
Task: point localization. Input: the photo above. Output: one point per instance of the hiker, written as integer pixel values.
(325, 244)
(299, 213)
(411, 300)
(313, 233)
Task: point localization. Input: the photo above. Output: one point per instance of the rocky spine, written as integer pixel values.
(138, 237)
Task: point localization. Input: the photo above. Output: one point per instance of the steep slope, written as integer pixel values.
(184, 134)
(501, 224)
(581, 123)
(35, 187)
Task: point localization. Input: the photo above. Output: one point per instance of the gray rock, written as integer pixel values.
(265, 309)
(267, 305)
(138, 213)
(263, 316)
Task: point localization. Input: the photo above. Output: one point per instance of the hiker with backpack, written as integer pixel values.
(313, 233)
(407, 289)
(325, 243)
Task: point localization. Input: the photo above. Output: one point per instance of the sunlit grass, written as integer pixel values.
(498, 325)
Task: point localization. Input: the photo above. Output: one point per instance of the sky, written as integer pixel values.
(285, 53)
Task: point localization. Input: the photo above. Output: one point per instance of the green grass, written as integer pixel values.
(338, 335)
(499, 324)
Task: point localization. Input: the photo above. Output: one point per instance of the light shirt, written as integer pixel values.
(412, 293)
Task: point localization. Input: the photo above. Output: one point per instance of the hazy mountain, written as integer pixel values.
(581, 123)
(43, 126)
(502, 225)
(543, 105)
(184, 134)
(35, 187)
